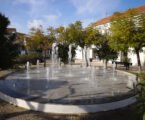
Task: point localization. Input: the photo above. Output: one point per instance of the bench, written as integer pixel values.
(126, 64)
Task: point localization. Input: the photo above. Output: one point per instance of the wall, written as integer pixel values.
(79, 52)
(133, 57)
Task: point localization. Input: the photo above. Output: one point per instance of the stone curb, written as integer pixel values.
(68, 109)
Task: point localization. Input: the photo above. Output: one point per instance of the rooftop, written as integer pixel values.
(11, 30)
(140, 9)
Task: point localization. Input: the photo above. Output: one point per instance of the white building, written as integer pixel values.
(103, 25)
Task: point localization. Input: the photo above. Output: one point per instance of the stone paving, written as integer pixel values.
(69, 85)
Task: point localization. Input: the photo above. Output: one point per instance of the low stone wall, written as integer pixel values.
(74, 109)
(68, 109)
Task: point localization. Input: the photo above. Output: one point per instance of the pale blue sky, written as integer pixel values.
(24, 14)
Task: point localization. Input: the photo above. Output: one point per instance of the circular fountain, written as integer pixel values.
(69, 89)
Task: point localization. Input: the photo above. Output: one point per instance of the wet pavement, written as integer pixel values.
(69, 85)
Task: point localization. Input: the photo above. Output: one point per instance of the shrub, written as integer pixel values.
(142, 76)
(141, 96)
(63, 52)
(31, 57)
(22, 59)
(126, 59)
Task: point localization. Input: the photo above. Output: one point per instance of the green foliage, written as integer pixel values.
(126, 59)
(38, 40)
(73, 52)
(128, 31)
(141, 97)
(32, 57)
(76, 34)
(22, 59)
(62, 34)
(92, 36)
(142, 76)
(119, 38)
(50, 37)
(63, 52)
(104, 51)
(4, 22)
(8, 48)
(73, 34)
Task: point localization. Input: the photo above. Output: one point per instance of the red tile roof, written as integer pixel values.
(140, 9)
(11, 30)
(20, 34)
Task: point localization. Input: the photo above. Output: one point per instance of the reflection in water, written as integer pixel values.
(28, 75)
(114, 77)
(28, 86)
(130, 82)
(48, 73)
(14, 85)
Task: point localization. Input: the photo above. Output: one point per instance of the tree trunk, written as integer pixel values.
(86, 59)
(82, 56)
(138, 61)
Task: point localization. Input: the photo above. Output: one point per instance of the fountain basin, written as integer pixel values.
(79, 92)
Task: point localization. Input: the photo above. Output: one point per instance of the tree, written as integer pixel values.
(117, 40)
(76, 34)
(34, 39)
(50, 38)
(127, 32)
(91, 37)
(51, 35)
(104, 51)
(37, 40)
(73, 34)
(62, 35)
(8, 47)
(62, 52)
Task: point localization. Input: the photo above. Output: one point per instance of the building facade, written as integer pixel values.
(103, 26)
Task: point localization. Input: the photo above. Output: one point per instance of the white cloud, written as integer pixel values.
(31, 2)
(46, 21)
(52, 19)
(34, 23)
(36, 7)
(94, 6)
